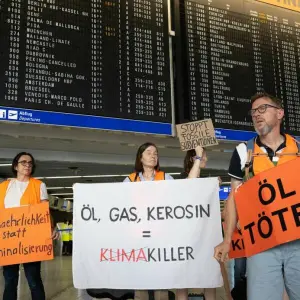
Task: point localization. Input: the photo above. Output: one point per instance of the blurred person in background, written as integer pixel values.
(70, 245)
(65, 237)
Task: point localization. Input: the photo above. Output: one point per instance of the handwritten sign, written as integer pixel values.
(148, 234)
(25, 234)
(269, 208)
(199, 133)
(290, 4)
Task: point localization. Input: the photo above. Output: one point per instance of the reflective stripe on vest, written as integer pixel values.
(159, 175)
(261, 161)
(31, 196)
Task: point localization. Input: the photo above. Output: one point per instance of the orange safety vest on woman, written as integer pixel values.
(159, 175)
(261, 161)
(31, 196)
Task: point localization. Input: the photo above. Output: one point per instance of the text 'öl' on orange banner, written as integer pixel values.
(268, 207)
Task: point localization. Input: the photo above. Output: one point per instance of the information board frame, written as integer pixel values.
(19, 115)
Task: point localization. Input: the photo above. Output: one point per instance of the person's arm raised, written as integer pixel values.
(195, 170)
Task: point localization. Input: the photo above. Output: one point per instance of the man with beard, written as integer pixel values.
(268, 272)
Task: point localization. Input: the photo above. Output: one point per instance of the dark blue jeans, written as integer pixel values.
(33, 275)
(240, 269)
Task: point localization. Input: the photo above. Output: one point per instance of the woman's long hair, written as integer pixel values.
(188, 161)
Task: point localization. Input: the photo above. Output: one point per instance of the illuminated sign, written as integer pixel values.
(288, 4)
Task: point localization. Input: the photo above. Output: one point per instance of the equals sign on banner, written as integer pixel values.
(146, 234)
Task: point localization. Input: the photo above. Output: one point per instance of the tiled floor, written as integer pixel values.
(57, 278)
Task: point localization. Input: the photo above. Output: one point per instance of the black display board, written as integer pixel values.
(231, 55)
(90, 57)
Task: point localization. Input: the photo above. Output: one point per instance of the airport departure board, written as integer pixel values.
(231, 55)
(92, 58)
(106, 63)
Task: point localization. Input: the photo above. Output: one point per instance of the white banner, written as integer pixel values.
(147, 235)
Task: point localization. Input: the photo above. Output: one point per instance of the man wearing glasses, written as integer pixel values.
(268, 272)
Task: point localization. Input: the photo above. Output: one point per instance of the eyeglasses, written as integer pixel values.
(25, 163)
(261, 109)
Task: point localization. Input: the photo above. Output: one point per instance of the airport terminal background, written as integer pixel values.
(83, 83)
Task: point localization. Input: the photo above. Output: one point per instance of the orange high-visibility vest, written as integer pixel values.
(32, 194)
(261, 161)
(159, 175)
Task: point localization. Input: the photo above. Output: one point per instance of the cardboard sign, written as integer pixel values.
(269, 208)
(25, 234)
(199, 133)
(290, 4)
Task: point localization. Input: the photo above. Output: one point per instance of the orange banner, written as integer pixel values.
(237, 248)
(269, 208)
(25, 234)
(288, 4)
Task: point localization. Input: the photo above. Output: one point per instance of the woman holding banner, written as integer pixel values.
(194, 161)
(23, 190)
(147, 169)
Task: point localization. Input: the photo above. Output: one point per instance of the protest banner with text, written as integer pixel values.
(199, 133)
(269, 208)
(237, 247)
(25, 234)
(146, 235)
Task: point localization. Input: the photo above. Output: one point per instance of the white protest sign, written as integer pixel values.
(147, 235)
(199, 133)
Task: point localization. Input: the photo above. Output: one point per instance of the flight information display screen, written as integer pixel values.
(106, 60)
(233, 51)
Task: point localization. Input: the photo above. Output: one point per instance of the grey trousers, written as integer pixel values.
(272, 270)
